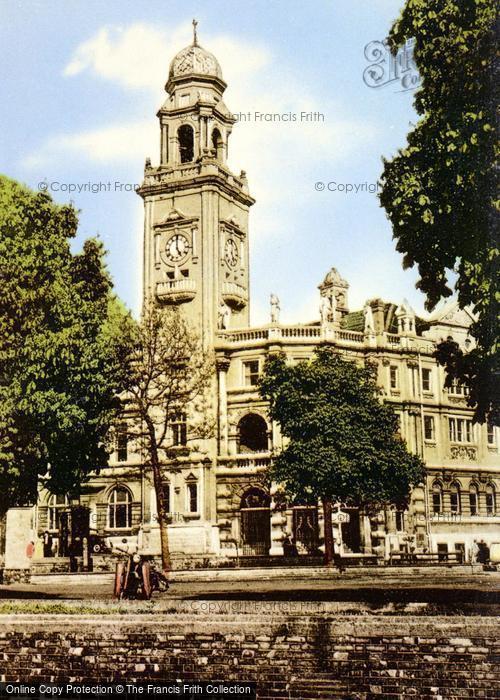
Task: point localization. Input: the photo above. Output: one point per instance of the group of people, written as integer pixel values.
(47, 543)
(480, 552)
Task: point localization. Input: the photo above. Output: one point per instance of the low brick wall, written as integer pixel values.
(358, 657)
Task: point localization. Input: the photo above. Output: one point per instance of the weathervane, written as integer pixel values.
(195, 35)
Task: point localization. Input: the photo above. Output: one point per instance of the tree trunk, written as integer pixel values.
(327, 518)
(162, 521)
(160, 500)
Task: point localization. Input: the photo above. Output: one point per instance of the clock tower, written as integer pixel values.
(195, 208)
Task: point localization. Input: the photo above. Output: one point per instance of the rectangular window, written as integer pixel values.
(458, 389)
(490, 501)
(455, 501)
(192, 490)
(460, 552)
(179, 429)
(442, 551)
(400, 520)
(166, 497)
(473, 502)
(468, 430)
(426, 380)
(251, 373)
(122, 443)
(460, 430)
(491, 435)
(429, 430)
(393, 372)
(436, 502)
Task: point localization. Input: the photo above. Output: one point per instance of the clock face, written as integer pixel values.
(231, 252)
(177, 248)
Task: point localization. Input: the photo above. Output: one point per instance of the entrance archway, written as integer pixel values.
(305, 528)
(255, 510)
(351, 531)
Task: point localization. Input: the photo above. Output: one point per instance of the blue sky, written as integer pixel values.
(82, 82)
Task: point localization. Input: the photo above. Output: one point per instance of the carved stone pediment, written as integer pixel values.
(174, 218)
(452, 315)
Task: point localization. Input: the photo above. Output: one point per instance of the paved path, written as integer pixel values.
(398, 589)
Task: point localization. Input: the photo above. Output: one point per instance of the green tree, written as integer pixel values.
(343, 441)
(63, 341)
(166, 405)
(440, 190)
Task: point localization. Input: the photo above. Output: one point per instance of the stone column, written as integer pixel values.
(222, 365)
(164, 144)
(278, 526)
(18, 533)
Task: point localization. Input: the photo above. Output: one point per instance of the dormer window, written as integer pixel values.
(185, 136)
(458, 389)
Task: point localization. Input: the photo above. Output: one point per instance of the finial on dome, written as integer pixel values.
(195, 34)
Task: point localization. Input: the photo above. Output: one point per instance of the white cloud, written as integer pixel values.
(281, 158)
(137, 57)
(114, 144)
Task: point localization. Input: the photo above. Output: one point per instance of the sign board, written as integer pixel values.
(340, 517)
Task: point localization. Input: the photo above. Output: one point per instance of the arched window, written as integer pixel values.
(120, 508)
(57, 504)
(473, 499)
(252, 434)
(437, 498)
(185, 135)
(217, 144)
(255, 498)
(455, 504)
(491, 504)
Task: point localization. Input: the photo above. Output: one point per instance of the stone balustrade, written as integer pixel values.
(176, 291)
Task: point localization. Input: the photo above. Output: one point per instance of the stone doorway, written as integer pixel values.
(351, 531)
(255, 512)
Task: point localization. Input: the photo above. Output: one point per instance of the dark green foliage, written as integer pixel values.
(440, 191)
(343, 441)
(62, 343)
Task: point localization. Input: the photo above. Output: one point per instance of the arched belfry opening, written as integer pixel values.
(218, 144)
(185, 137)
(252, 434)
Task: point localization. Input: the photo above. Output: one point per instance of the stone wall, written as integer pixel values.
(10, 576)
(18, 534)
(356, 657)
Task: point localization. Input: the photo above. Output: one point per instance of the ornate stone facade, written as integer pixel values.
(196, 254)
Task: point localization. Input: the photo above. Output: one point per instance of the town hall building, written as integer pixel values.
(196, 256)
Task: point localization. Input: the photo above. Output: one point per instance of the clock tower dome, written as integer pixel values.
(195, 208)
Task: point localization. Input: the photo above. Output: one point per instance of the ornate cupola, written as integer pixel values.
(194, 62)
(195, 87)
